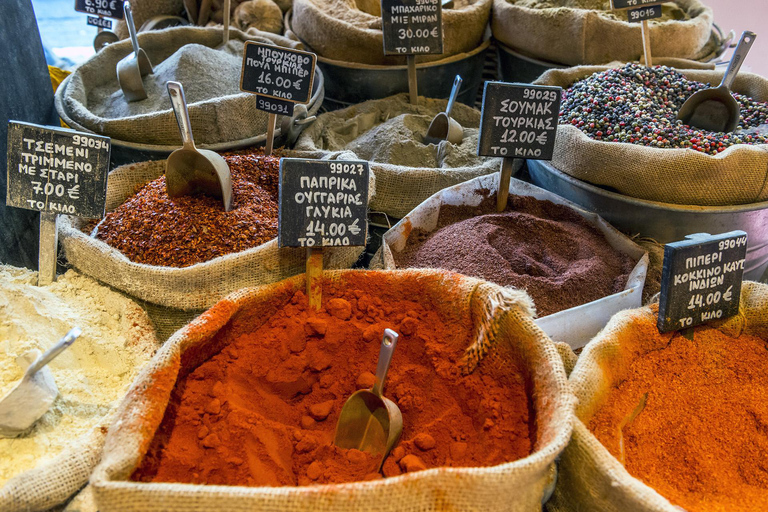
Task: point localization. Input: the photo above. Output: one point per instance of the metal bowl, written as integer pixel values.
(663, 222)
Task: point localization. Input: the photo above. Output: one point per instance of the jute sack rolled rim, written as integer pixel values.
(214, 120)
(401, 188)
(738, 175)
(340, 30)
(590, 477)
(574, 36)
(51, 483)
(500, 325)
(574, 326)
(195, 287)
(143, 10)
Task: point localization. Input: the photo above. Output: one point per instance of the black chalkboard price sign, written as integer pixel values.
(519, 120)
(412, 27)
(633, 4)
(644, 13)
(323, 203)
(108, 8)
(701, 279)
(95, 21)
(56, 170)
(278, 73)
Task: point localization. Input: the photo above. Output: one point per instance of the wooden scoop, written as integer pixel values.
(134, 66)
(368, 421)
(715, 109)
(189, 170)
(35, 392)
(443, 126)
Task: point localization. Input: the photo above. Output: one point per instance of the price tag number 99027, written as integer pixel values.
(340, 168)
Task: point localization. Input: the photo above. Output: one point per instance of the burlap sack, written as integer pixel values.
(146, 9)
(738, 175)
(50, 484)
(565, 35)
(216, 120)
(342, 30)
(590, 477)
(501, 327)
(189, 290)
(400, 188)
(574, 326)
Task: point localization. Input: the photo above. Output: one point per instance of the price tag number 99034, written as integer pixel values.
(89, 142)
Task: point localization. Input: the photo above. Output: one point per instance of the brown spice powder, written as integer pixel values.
(154, 229)
(547, 249)
(701, 440)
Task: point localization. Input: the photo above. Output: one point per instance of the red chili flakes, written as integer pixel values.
(153, 229)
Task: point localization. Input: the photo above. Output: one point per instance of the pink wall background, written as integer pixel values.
(741, 15)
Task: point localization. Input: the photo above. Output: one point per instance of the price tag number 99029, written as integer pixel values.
(340, 168)
(539, 94)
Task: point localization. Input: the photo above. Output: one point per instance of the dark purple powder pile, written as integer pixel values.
(544, 248)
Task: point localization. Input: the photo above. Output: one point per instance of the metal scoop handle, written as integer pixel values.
(226, 21)
(179, 103)
(739, 54)
(454, 94)
(385, 357)
(53, 352)
(131, 27)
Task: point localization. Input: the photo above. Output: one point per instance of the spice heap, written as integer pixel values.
(154, 229)
(639, 105)
(400, 141)
(263, 410)
(702, 437)
(92, 375)
(205, 72)
(547, 249)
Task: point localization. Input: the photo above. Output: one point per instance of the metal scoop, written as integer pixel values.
(443, 126)
(134, 66)
(369, 422)
(35, 392)
(715, 109)
(189, 170)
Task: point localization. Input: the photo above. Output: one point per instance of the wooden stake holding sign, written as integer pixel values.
(410, 28)
(641, 11)
(701, 279)
(280, 77)
(323, 203)
(56, 170)
(517, 121)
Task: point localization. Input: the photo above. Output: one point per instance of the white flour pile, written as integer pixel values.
(92, 375)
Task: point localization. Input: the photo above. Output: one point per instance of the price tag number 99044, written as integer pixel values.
(732, 243)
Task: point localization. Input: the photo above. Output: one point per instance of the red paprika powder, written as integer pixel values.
(702, 438)
(263, 410)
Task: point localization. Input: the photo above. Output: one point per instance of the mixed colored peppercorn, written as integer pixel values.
(639, 105)
(154, 229)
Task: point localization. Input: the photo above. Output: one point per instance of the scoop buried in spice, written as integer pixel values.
(35, 392)
(625, 422)
(369, 422)
(443, 126)
(189, 170)
(133, 67)
(714, 108)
